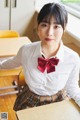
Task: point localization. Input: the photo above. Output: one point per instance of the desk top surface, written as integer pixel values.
(10, 46)
(65, 110)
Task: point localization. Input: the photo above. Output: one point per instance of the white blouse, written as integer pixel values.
(66, 74)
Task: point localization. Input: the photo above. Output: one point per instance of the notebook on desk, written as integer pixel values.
(65, 110)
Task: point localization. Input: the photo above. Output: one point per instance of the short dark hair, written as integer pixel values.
(53, 9)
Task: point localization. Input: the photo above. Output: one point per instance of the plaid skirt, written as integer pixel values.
(27, 98)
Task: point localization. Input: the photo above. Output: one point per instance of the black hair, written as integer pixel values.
(53, 9)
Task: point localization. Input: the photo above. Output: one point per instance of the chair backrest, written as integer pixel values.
(21, 78)
(8, 33)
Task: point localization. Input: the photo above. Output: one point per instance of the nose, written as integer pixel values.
(50, 31)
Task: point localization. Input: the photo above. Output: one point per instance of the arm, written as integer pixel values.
(72, 85)
(12, 62)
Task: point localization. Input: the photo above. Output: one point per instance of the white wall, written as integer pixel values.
(40, 3)
(4, 16)
(20, 16)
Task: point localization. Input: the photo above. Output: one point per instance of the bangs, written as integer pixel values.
(47, 18)
(53, 10)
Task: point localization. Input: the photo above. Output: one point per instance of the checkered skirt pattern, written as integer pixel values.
(27, 98)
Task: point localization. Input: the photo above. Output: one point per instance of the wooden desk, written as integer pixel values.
(10, 46)
(65, 110)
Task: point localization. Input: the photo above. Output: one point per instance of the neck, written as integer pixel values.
(50, 50)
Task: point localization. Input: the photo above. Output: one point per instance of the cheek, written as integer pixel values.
(40, 33)
(60, 34)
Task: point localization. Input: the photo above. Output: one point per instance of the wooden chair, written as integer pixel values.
(8, 33)
(21, 81)
(17, 85)
(7, 87)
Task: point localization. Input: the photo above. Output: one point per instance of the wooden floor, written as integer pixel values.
(7, 101)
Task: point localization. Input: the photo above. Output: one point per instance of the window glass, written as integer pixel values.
(73, 6)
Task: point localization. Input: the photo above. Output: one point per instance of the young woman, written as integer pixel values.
(50, 68)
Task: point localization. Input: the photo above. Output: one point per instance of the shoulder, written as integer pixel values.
(71, 55)
(28, 49)
(31, 45)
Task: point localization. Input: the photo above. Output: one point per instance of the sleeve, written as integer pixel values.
(13, 62)
(72, 85)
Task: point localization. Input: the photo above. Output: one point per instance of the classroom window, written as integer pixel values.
(73, 6)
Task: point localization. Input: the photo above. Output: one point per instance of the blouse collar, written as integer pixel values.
(59, 54)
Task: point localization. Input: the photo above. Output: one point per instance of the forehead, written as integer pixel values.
(50, 19)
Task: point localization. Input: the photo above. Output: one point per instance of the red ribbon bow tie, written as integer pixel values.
(48, 64)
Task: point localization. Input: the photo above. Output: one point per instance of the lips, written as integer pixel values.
(48, 39)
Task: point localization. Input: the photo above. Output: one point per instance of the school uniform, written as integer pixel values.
(65, 74)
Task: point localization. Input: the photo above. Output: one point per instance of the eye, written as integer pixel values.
(44, 24)
(57, 26)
